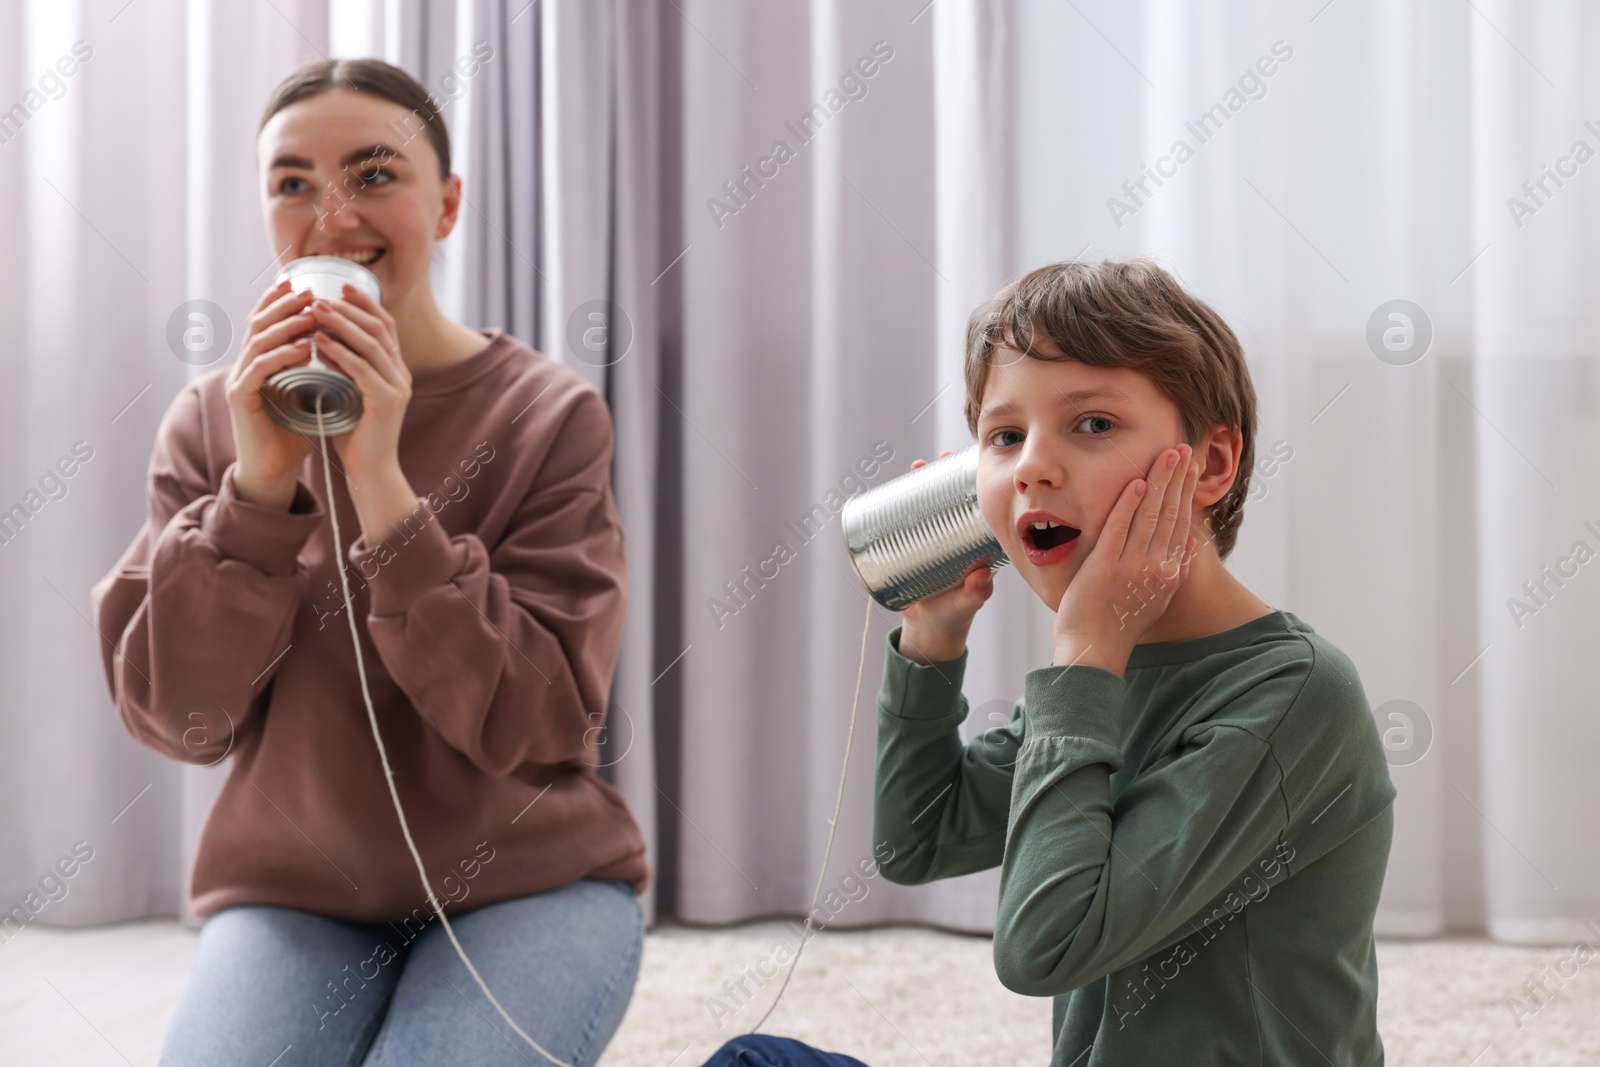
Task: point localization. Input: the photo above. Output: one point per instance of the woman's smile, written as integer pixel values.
(366, 255)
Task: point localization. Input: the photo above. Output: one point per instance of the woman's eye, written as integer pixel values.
(284, 186)
(994, 438)
(373, 176)
(1109, 425)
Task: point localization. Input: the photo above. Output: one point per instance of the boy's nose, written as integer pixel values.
(1037, 466)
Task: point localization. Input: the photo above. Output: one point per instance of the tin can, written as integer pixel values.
(291, 395)
(919, 533)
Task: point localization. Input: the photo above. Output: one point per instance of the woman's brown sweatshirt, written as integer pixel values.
(489, 626)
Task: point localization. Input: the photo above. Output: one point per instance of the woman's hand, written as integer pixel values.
(357, 336)
(935, 627)
(1141, 558)
(276, 337)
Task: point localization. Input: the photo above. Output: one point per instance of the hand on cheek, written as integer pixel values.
(1138, 563)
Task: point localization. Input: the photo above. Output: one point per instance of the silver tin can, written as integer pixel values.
(291, 395)
(917, 534)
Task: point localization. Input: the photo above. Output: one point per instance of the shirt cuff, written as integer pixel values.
(266, 538)
(1074, 700)
(407, 564)
(921, 691)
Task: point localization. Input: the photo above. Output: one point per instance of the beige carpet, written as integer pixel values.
(898, 997)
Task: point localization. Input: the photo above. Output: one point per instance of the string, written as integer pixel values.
(833, 829)
(388, 772)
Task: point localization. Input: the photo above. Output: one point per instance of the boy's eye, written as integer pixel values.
(1099, 427)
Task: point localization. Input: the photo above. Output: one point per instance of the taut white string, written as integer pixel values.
(838, 806)
(399, 810)
(388, 773)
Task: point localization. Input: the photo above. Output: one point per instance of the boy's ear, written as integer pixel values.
(1218, 455)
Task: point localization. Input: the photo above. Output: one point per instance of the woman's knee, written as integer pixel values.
(603, 940)
(267, 976)
(562, 962)
(597, 921)
(614, 907)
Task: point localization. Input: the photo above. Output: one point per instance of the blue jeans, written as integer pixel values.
(759, 1050)
(287, 988)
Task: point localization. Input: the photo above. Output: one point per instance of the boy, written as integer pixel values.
(1190, 807)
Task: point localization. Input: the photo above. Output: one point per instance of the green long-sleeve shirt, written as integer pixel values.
(1190, 856)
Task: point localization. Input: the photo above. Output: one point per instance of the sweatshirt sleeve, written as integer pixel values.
(939, 806)
(1089, 886)
(508, 652)
(194, 618)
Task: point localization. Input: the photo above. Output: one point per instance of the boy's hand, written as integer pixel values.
(935, 628)
(1141, 558)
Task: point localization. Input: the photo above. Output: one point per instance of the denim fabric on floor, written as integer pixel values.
(287, 988)
(759, 1050)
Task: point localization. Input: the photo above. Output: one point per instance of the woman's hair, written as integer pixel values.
(376, 78)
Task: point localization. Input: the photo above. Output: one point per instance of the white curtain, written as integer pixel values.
(1337, 176)
(1375, 164)
(1533, 327)
(133, 190)
(776, 321)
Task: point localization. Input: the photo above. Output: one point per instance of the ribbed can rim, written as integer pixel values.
(917, 534)
(308, 269)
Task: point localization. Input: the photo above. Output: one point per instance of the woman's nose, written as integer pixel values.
(333, 208)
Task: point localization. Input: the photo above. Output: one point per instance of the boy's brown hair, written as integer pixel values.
(1129, 314)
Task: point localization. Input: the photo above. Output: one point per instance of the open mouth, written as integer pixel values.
(1044, 536)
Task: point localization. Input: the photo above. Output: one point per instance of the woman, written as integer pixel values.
(488, 585)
